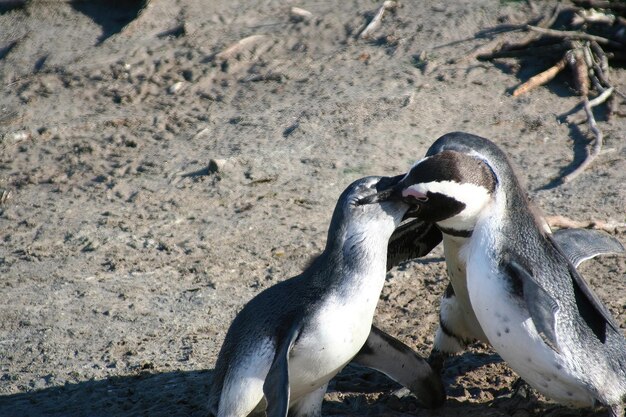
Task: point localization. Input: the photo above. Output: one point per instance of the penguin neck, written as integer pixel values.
(453, 247)
(359, 252)
(513, 210)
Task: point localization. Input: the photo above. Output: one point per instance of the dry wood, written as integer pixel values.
(576, 118)
(586, 56)
(593, 17)
(545, 22)
(4, 195)
(576, 60)
(550, 20)
(602, 58)
(572, 34)
(531, 51)
(594, 71)
(238, 47)
(541, 78)
(604, 96)
(597, 144)
(563, 222)
(375, 23)
(505, 50)
(299, 15)
(618, 6)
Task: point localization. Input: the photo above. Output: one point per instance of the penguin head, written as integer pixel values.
(450, 188)
(367, 205)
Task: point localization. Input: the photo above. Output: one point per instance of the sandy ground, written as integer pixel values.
(125, 253)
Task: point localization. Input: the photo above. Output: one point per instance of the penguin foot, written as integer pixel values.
(521, 397)
(521, 389)
(437, 360)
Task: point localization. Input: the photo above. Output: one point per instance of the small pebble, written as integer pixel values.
(176, 87)
(297, 14)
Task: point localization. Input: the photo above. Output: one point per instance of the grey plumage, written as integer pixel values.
(293, 337)
(456, 332)
(573, 351)
(580, 245)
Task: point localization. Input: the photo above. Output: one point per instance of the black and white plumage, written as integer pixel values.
(458, 325)
(529, 301)
(291, 339)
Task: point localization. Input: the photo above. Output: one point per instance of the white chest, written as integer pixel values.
(464, 323)
(336, 333)
(507, 324)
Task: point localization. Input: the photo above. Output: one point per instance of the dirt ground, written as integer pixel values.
(158, 183)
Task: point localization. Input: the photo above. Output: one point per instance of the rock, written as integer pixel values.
(297, 14)
(221, 165)
(176, 87)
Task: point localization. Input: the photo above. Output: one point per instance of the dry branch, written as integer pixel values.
(541, 78)
(571, 34)
(563, 222)
(601, 98)
(576, 60)
(238, 47)
(587, 49)
(377, 20)
(618, 6)
(597, 144)
(299, 15)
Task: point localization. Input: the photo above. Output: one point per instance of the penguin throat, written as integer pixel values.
(361, 250)
(455, 232)
(364, 247)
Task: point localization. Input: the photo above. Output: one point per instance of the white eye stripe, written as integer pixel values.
(458, 191)
(473, 196)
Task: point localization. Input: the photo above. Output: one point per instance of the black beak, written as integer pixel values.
(388, 189)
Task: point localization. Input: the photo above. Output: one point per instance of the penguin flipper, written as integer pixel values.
(589, 305)
(276, 385)
(399, 362)
(579, 245)
(541, 306)
(411, 240)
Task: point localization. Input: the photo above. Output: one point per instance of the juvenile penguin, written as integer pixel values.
(529, 301)
(291, 339)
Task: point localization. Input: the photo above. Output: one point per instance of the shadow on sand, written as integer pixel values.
(185, 393)
(166, 394)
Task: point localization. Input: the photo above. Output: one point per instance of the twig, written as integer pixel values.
(239, 46)
(499, 49)
(576, 60)
(545, 22)
(604, 96)
(541, 78)
(602, 4)
(533, 51)
(571, 34)
(602, 69)
(563, 222)
(594, 69)
(548, 22)
(601, 56)
(376, 21)
(597, 145)
(574, 117)
(296, 14)
(4, 196)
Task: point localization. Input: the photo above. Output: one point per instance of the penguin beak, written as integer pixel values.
(397, 189)
(388, 189)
